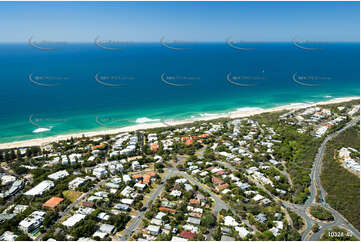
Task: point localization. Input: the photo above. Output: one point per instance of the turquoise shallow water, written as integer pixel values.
(99, 89)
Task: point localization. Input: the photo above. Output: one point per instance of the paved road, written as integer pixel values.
(136, 221)
(301, 209)
(317, 186)
(77, 202)
(277, 200)
(220, 204)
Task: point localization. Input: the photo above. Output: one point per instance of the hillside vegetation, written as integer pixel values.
(342, 187)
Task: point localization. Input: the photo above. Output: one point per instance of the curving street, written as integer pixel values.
(219, 204)
(300, 209)
(316, 185)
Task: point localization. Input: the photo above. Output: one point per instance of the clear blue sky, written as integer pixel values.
(189, 21)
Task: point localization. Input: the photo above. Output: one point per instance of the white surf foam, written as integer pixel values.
(146, 120)
(40, 130)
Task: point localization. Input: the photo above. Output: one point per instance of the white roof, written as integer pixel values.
(160, 215)
(7, 179)
(188, 187)
(70, 222)
(140, 185)
(178, 239)
(278, 224)
(258, 197)
(176, 193)
(242, 231)
(127, 201)
(181, 180)
(35, 218)
(275, 231)
(40, 188)
(156, 221)
(230, 221)
(106, 228)
(8, 236)
(190, 228)
(153, 228)
(126, 178)
(59, 174)
(100, 234)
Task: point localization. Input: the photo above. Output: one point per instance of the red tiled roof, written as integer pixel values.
(155, 146)
(221, 172)
(194, 201)
(169, 210)
(217, 180)
(146, 178)
(204, 135)
(53, 202)
(136, 176)
(88, 204)
(187, 140)
(221, 187)
(151, 173)
(187, 235)
(196, 215)
(98, 146)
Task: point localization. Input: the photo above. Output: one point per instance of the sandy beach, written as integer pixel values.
(236, 114)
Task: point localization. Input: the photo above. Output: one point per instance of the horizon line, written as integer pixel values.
(191, 42)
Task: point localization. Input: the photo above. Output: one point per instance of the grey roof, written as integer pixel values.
(261, 217)
(227, 238)
(193, 220)
(107, 228)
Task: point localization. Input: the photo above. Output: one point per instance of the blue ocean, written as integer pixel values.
(82, 87)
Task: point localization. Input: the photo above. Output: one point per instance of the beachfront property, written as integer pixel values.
(240, 167)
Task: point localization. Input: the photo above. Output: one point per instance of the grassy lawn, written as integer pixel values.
(72, 195)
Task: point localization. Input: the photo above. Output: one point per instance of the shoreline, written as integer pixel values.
(232, 115)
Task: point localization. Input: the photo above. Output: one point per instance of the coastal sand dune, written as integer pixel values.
(237, 114)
